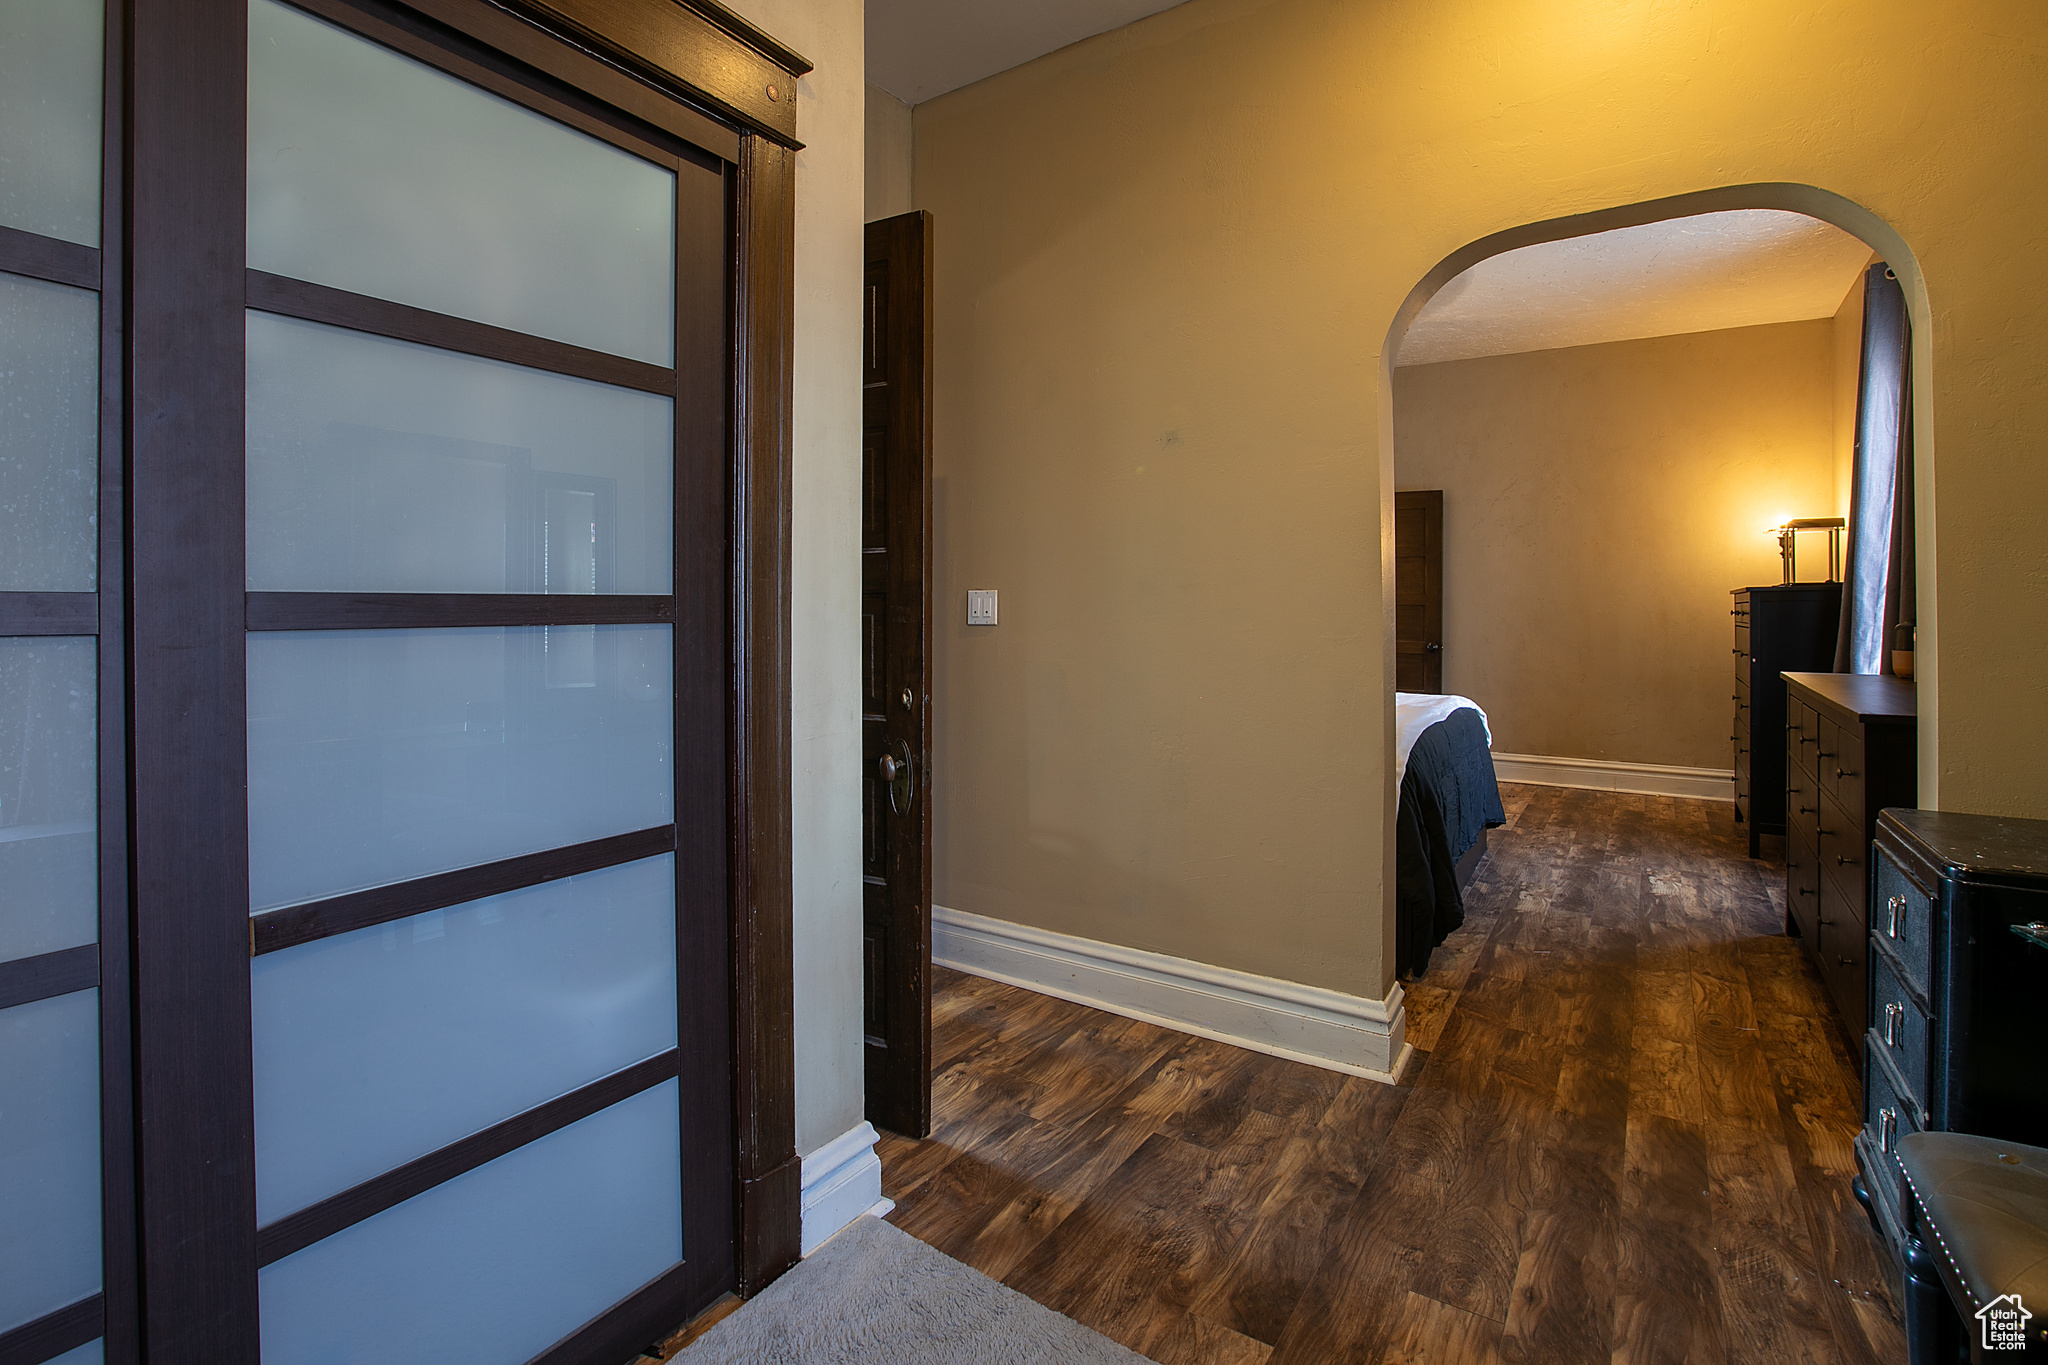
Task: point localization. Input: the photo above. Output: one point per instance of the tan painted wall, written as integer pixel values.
(1599, 503)
(1848, 329)
(825, 561)
(890, 163)
(1178, 248)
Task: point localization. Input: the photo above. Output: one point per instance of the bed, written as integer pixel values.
(1443, 770)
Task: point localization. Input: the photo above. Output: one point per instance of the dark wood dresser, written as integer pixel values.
(1850, 751)
(1958, 1021)
(1789, 627)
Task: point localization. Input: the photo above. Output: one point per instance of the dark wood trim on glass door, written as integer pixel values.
(49, 613)
(120, 1279)
(52, 1334)
(48, 258)
(26, 979)
(450, 610)
(521, 40)
(724, 62)
(535, 68)
(292, 925)
(361, 313)
(195, 1154)
(630, 1326)
(701, 671)
(770, 1222)
(297, 1231)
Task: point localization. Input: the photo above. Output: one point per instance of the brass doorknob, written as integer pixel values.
(889, 766)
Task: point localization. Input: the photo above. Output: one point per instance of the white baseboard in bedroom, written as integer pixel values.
(1647, 779)
(1353, 1034)
(841, 1181)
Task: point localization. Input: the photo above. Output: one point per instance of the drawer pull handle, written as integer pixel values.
(1822, 753)
(1808, 891)
(1807, 810)
(1897, 908)
(1840, 861)
(1839, 774)
(1887, 1128)
(1824, 833)
(1846, 961)
(1824, 919)
(1808, 739)
(1892, 1014)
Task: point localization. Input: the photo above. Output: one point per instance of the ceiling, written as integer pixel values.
(921, 48)
(1738, 269)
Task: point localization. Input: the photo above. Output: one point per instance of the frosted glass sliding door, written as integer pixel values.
(462, 709)
(53, 1012)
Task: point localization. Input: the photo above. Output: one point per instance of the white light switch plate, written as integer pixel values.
(981, 606)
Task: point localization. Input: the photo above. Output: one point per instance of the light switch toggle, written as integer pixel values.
(981, 606)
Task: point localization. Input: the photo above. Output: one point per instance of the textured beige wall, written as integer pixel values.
(1168, 261)
(825, 561)
(1599, 503)
(890, 164)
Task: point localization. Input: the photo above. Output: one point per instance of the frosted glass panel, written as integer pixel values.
(49, 1155)
(379, 1046)
(49, 787)
(498, 1263)
(50, 77)
(379, 756)
(381, 466)
(49, 431)
(377, 174)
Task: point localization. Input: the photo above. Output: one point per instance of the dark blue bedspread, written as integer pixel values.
(1448, 798)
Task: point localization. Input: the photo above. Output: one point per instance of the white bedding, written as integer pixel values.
(1415, 712)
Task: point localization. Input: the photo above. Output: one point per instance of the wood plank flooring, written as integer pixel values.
(1625, 1137)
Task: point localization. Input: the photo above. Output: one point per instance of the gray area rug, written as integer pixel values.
(874, 1293)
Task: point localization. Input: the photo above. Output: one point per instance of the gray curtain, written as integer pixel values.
(1878, 589)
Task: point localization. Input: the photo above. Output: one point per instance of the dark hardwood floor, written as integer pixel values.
(1625, 1136)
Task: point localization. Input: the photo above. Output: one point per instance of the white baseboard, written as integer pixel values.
(841, 1181)
(1326, 1028)
(1647, 779)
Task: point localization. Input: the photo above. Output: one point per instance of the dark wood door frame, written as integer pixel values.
(183, 287)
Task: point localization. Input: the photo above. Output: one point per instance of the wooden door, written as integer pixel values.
(896, 556)
(1419, 591)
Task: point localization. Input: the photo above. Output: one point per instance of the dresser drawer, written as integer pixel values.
(1844, 852)
(1802, 885)
(1844, 954)
(1898, 1028)
(1841, 771)
(1804, 722)
(1903, 916)
(1827, 743)
(1802, 806)
(1887, 1117)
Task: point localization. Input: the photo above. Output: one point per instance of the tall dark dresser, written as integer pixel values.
(1958, 1001)
(1787, 627)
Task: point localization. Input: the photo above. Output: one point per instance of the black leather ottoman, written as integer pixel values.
(1976, 1248)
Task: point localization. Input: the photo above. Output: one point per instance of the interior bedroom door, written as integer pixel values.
(896, 557)
(484, 713)
(1419, 591)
